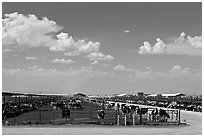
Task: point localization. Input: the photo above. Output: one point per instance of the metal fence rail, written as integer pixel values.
(48, 114)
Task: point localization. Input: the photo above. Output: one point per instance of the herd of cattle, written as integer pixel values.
(175, 105)
(70, 103)
(15, 109)
(67, 105)
(126, 108)
(151, 114)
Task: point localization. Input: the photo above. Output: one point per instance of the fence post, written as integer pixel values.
(39, 115)
(172, 115)
(179, 113)
(125, 120)
(14, 119)
(118, 122)
(53, 117)
(116, 117)
(140, 116)
(40, 108)
(133, 119)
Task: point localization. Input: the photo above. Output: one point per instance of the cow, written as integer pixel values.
(125, 109)
(163, 115)
(101, 115)
(142, 111)
(65, 112)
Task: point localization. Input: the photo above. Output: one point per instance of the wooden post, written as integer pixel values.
(116, 117)
(172, 115)
(118, 122)
(14, 119)
(133, 118)
(53, 116)
(125, 120)
(140, 116)
(39, 115)
(179, 113)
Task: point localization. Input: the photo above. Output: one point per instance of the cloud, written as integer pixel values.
(30, 58)
(63, 61)
(126, 31)
(67, 43)
(21, 31)
(28, 31)
(122, 68)
(33, 67)
(94, 62)
(186, 73)
(147, 67)
(191, 46)
(176, 71)
(96, 56)
(35, 71)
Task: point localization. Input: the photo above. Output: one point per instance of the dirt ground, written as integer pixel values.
(193, 127)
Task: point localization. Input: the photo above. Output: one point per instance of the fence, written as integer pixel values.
(48, 114)
(136, 118)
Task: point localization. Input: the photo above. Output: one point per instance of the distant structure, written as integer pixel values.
(140, 94)
(167, 95)
(122, 95)
(80, 95)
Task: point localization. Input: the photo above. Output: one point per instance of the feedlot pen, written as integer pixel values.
(47, 114)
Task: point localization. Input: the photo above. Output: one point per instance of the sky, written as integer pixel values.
(102, 48)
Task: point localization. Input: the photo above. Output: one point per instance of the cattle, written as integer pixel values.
(75, 105)
(101, 114)
(163, 114)
(133, 107)
(125, 109)
(65, 112)
(142, 110)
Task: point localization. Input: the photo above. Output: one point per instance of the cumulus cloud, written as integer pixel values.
(147, 67)
(33, 67)
(176, 71)
(94, 62)
(35, 71)
(21, 31)
(30, 58)
(147, 73)
(63, 61)
(67, 43)
(24, 31)
(126, 31)
(179, 69)
(179, 46)
(122, 68)
(96, 56)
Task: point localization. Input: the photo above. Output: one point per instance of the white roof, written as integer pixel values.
(121, 95)
(165, 95)
(55, 94)
(92, 96)
(109, 96)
